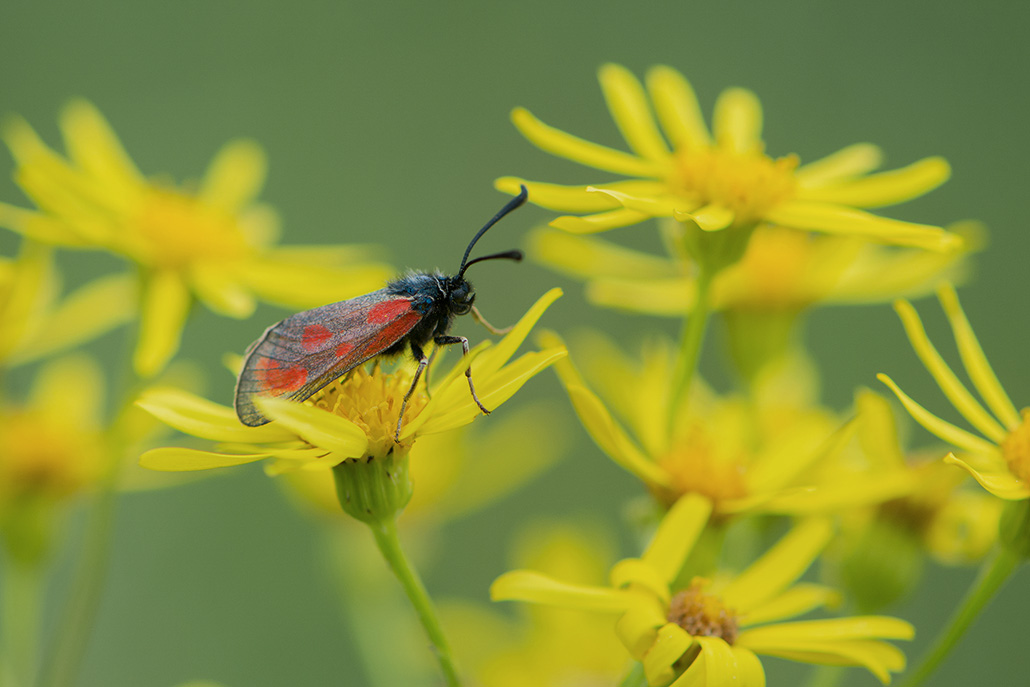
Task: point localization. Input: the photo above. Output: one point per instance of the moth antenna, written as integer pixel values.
(515, 255)
(512, 204)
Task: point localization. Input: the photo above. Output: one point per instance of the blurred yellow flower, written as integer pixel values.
(35, 323)
(1001, 462)
(708, 632)
(52, 448)
(544, 646)
(720, 181)
(782, 270)
(211, 242)
(354, 417)
(743, 454)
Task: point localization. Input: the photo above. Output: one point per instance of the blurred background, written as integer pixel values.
(386, 124)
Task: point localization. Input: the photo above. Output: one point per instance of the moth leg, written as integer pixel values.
(442, 339)
(432, 356)
(478, 317)
(423, 361)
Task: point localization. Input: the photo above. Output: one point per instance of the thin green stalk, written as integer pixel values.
(19, 623)
(385, 532)
(75, 628)
(635, 677)
(691, 341)
(992, 575)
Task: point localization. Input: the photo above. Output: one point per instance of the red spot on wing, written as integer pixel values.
(388, 310)
(274, 378)
(344, 349)
(315, 336)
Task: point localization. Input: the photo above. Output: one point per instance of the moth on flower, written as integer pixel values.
(302, 354)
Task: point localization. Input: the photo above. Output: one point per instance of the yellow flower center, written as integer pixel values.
(696, 464)
(372, 401)
(175, 229)
(702, 614)
(41, 459)
(749, 184)
(1016, 449)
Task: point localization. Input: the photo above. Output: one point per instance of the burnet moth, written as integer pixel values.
(300, 355)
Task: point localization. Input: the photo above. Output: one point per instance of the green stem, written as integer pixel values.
(690, 343)
(75, 628)
(19, 623)
(385, 532)
(991, 577)
(635, 677)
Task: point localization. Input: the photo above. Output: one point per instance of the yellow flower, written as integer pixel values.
(52, 448)
(742, 454)
(545, 646)
(708, 632)
(1001, 461)
(461, 471)
(210, 241)
(352, 418)
(782, 270)
(720, 181)
(34, 323)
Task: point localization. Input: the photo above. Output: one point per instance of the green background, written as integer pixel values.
(387, 123)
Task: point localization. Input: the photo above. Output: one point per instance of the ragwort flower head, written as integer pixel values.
(744, 455)
(781, 271)
(709, 632)
(355, 418)
(720, 180)
(211, 241)
(1001, 461)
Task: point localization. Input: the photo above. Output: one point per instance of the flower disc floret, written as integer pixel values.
(1015, 448)
(702, 614)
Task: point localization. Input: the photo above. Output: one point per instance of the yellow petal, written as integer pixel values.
(853, 161)
(166, 303)
(676, 535)
(284, 277)
(629, 108)
(220, 292)
(933, 424)
(637, 628)
(709, 218)
(635, 572)
(602, 221)
(85, 314)
(79, 409)
(885, 188)
(496, 391)
(526, 585)
(39, 227)
(579, 150)
(797, 600)
(495, 358)
(956, 392)
(877, 432)
(836, 219)
(316, 426)
(202, 418)
(834, 629)
(559, 197)
(603, 429)
(980, 371)
(749, 669)
(843, 494)
(677, 108)
(31, 283)
(660, 205)
(666, 297)
(738, 121)
(235, 176)
(720, 662)
(94, 146)
(588, 256)
(999, 482)
(779, 567)
(879, 658)
(185, 459)
(671, 642)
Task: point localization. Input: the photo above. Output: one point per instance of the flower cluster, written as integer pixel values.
(759, 504)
